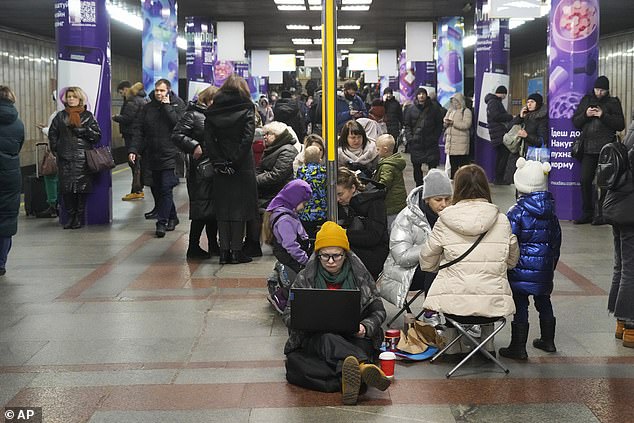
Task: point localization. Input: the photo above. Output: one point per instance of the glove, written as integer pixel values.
(224, 168)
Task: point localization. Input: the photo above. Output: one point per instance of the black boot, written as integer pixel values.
(547, 340)
(517, 347)
(70, 204)
(51, 211)
(211, 227)
(78, 220)
(251, 245)
(238, 257)
(225, 255)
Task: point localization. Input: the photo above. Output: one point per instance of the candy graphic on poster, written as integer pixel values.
(450, 58)
(160, 54)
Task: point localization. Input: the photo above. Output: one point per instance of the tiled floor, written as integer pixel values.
(109, 324)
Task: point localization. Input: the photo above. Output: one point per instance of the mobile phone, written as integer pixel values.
(82, 67)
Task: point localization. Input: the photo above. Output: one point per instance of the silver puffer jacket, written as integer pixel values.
(409, 233)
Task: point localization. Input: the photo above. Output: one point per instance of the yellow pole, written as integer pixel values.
(329, 98)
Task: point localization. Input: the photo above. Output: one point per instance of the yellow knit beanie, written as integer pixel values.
(331, 235)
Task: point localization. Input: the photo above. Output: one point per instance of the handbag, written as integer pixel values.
(99, 159)
(577, 149)
(511, 140)
(538, 154)
(48, 167)
(205, 169)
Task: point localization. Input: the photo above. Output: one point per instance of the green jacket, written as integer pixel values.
(390, 173)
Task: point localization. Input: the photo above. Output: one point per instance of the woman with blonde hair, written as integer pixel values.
(73, 131)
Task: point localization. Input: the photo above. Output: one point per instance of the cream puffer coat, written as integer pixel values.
(409, 232)
(477, 285)
(457, 135)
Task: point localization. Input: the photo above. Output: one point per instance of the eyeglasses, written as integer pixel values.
(327, 257)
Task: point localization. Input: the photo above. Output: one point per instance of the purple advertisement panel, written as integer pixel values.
(450, 58)
(413, 75)
(199, 33)
(492, 65)
(573, 56)
(82, 32)
(160, 54)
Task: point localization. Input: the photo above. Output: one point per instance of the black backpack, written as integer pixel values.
(613, 166)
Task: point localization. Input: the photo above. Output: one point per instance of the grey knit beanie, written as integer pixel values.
(437, 184)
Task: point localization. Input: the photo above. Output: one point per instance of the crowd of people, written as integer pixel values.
(386, 242)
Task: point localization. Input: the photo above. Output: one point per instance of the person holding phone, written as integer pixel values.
(599, 116)
(152, 139)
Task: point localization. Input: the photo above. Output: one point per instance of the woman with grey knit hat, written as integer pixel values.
(411, 228)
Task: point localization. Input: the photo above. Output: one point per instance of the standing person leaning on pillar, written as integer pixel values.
(73, 131)
(152, 136)
(599, 117)
(497, 117)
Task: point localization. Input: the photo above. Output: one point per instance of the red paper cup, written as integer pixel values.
(387, 361)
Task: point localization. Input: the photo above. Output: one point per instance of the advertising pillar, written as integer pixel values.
(199, 33)
(160, 54)
(413, 75)
(450, 58)
(82, 32)
(492, 66)
(573, 62)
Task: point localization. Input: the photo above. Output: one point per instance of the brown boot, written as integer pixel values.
(620, 326)
(350, 380)
(628, 338)
(374, 376)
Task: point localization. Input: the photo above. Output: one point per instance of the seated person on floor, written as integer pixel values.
(284, 232)
(356, 151)
(330, 362)
(315, 212)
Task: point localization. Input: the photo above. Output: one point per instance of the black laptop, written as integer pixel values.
(325, 310)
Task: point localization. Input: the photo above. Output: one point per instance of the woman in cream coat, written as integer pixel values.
(457, 123)
(477, 285)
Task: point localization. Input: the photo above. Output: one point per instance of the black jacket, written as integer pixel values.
(393, 116)
(365, 220)
(70, 145)
(288, 111)
(536, 127)
(153, 132)
(187, 135)
(11, 141)
(597, 132)
(423, 137)
(276, 167)
(130, 111)
(229, 130)
(497, 116)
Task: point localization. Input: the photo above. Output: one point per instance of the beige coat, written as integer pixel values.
(457, 134)
(477, 285)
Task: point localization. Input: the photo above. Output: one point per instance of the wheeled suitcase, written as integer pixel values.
(34, 191)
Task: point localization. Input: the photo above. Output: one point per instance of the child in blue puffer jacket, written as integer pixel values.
(283, 230)
(534, 222)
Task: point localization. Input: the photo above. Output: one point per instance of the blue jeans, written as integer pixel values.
(542, 304)
(5, 246)
(165, 181)
(621, 298)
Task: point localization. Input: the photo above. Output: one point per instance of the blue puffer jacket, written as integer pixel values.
(536, 226)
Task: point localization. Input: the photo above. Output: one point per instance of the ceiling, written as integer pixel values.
(383, 27)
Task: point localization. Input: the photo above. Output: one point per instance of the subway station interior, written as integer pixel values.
(111, 323)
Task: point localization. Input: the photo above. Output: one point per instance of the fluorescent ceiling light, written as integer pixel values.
(278, 2)
(290, 7)
(349, 27)
(297, 27)
(316, 7)
(316, 28)
(314, 2)
(122, 15)
(356, 8)
(317, 41)
(301, 41)
(346, 2)
(342, 41)
(302, 51)
(345, 51)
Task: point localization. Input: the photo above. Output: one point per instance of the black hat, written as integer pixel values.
(388, 90)
(501, 90)
(537, 97)
(602, 82)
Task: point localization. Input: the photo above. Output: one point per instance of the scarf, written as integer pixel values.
(365, 156)
(345, 277)
(73, 115)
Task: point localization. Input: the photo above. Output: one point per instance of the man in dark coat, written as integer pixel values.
(11, 141)
(599, 116)
(497, 116)
(152, 137)
(393, 113)
(133, 102)
(423, 123)
(288, 110)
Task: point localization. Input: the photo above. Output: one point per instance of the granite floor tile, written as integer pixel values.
(211, 416)
(102, 378)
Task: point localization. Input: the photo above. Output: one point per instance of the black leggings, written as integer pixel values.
(588, 169)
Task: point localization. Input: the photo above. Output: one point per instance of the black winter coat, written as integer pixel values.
(393, 116)
(423, 138)
(69, 146)
(365, 220)
(153, 132)
(497, 117)
(188, 133)
(536, 127)
(130, 111)
(229, 131)
(288, 111)
(276, 167)
(597, 132)
(11, 141)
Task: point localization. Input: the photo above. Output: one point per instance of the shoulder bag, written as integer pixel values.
(99, 159)
(48, 166)
(511, 140)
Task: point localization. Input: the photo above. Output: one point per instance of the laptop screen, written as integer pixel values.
(325, 310)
